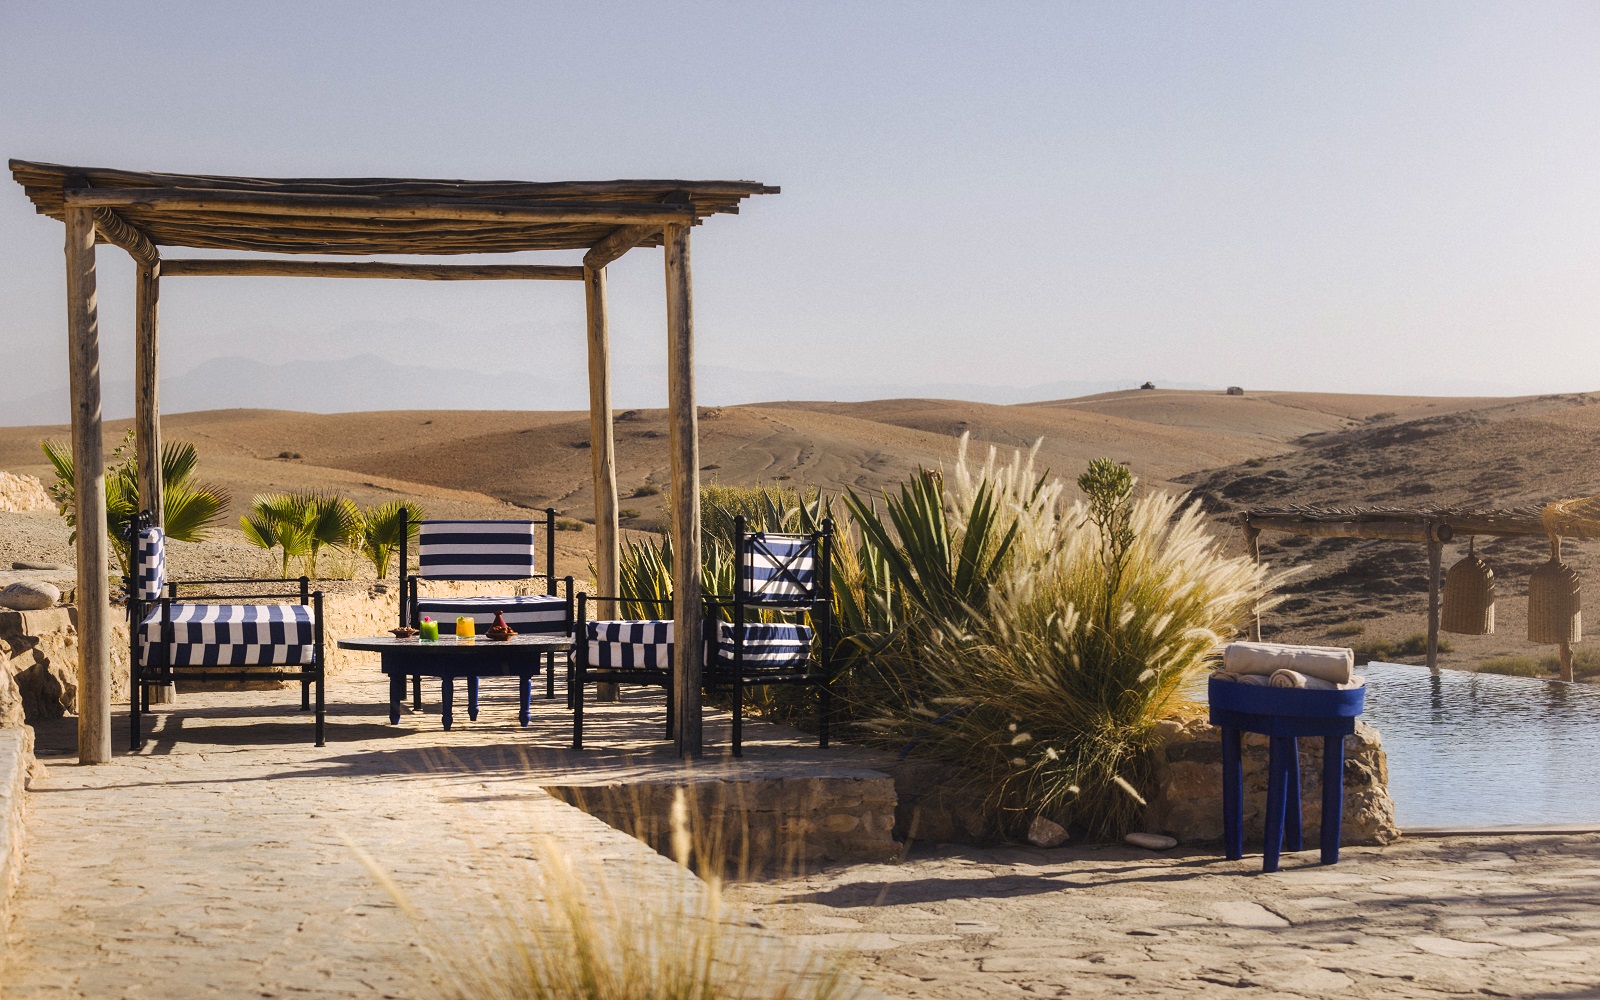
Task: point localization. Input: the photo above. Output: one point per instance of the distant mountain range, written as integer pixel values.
(370, 382)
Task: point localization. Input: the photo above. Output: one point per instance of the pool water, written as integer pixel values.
(1470, 749)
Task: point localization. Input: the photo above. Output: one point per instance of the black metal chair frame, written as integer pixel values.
(819, 604)
(160, 672)
(409, 584)
(582, 674)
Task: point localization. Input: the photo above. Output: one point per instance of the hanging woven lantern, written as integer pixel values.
(1468, 596)
(1554, 601)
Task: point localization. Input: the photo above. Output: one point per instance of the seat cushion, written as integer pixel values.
(768, 646)
(526, 613)
(635, 645)
(232, 635)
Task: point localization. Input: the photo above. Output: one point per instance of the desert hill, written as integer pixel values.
(1232, 451)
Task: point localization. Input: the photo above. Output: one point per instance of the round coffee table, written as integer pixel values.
(448, 658)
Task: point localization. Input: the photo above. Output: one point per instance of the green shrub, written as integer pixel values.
(377, 535)
(1512, 666)
(568, 524)
(1409, 648)
(646, 490)
(627, 514)
(1345, 630)
(301, 525)
(189, 509)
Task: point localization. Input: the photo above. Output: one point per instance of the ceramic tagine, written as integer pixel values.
(499, 631)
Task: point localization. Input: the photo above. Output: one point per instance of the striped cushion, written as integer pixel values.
(477, 550)
(767, 646)
(530, 613)
(779, 569)
(150, 564)
(232, 635)
(635, 645)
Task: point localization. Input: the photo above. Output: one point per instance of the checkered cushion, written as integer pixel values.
(530, 613)
(779, 569)
(477, 550)
(630, 645)
(150, 564)
(232, 635)
(768, 646)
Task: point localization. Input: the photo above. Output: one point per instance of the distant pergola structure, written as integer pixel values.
(1428, 525)
(142, 212)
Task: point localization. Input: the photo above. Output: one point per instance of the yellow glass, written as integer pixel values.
(465, 628)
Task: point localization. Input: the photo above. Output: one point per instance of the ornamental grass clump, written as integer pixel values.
(1100, 612)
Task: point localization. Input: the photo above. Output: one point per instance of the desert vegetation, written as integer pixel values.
(299, 526)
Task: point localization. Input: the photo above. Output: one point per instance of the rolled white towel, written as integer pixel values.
(1295, 679)
(1258, 680)
(1333, 664)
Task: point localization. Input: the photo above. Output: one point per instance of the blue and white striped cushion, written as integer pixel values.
(528, 613)
(232, 635)
(630, 645)
(779, 569)
(150, 564)
(767, 646)
(477, 550)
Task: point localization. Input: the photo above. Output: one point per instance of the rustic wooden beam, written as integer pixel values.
(1252, 545)
(376, 207)
(602, 447)
(1566, 661)
(1395, 531)
(89, 489)
(147, 412)
(684, 444)
(115, 230)
(267, 268)
(621, 240)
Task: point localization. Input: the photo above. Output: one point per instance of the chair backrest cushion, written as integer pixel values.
(150, 564)
(778, 569)
(477, 550)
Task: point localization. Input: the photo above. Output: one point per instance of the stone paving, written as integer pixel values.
(225, 860)
(1442, 917)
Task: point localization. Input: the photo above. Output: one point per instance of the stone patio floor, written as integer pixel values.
(223, 862)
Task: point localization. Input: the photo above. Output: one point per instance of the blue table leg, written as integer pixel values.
(1277, 799)
(447, 695)
(1293, 838)
(1232, 794)
(524, 694)
(1332, 796)
(397, 697)
(472, 698)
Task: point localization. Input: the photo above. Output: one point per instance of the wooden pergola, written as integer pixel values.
(1431, 526)
(142, 212)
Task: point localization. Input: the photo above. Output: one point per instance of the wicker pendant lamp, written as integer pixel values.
(1468, 596)
(1555, 612)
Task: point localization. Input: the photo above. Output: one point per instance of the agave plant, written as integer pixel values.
(381, 529)
(188, 509)
(300, 525)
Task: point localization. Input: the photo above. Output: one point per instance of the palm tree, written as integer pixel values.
(188, 509)
(301, 524)
(380, 531)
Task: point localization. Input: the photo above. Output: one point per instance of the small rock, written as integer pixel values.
(1153, 841)
(29, 595)
(1044, 832)
(42, 566)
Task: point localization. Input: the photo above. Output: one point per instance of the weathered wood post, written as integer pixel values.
(89, 487)
(1435, 558)
(685, 446)
(602, 446)
(147, 412)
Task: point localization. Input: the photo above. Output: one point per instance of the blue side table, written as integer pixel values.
(1283, 715)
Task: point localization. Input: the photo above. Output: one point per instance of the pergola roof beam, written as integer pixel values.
(375, 207)
(115, 230)
(191, 267)
(620, 241)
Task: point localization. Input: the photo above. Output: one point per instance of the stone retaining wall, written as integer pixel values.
(16, 767)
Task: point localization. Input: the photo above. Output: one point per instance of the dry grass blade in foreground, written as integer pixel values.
(572, 933)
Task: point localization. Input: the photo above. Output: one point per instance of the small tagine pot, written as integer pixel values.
(499, 631)
(404, 632)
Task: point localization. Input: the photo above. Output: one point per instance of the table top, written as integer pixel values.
(452, 644)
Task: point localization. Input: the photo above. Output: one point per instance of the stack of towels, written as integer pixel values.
(1271, 664)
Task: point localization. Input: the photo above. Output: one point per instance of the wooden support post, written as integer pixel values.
(88, 458)
(1435, 557)
(602, 447)
(147, 413)
(685, 446)
(1252, 545)
(1566, 661)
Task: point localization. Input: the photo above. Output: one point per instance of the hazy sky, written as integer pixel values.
(1339, 196)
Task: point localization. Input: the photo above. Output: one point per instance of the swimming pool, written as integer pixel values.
(1470, 749)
